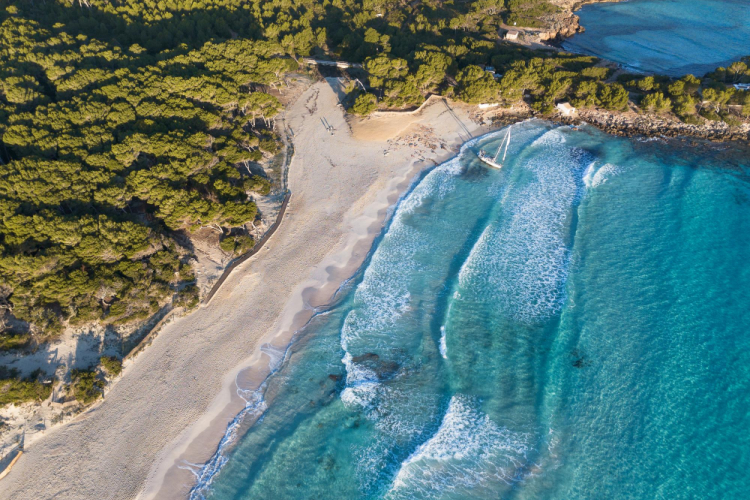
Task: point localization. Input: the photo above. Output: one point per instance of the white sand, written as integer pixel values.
(175, 399)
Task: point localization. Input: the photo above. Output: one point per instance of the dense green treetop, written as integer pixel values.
(124, 122)
(109, 147)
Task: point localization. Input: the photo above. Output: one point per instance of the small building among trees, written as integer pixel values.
(566, 109)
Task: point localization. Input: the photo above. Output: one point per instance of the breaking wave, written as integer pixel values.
(205, 473)
(376, 352)
(382, 297)
(594, 177)
(521, 260)
(469, 454)
(443, 344)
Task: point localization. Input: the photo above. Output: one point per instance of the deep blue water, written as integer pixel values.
(671, 37)
(574, 326)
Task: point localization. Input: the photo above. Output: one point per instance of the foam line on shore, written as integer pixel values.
(256, 405)
(344, 187)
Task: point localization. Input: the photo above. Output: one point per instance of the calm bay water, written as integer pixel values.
(574, 326)
(671, 37)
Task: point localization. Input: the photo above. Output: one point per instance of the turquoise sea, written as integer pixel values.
(671, 37)
(574, 326)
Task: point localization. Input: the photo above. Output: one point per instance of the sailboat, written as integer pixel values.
(492, 160)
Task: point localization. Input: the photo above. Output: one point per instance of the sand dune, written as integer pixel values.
(173, 403)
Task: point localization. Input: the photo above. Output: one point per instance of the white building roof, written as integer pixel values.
(565, 108)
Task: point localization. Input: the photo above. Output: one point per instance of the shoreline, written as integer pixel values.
(173, 404)
(344, 192)
(255, 373)
(565, 25)
(318, 292)
(247, 417)
(311, 298)
(558, 27)
(632, 124)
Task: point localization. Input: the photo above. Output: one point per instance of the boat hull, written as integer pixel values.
(489, 161)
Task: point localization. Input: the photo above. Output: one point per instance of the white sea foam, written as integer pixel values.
(361, 384)
(382, 297)
(399, 415)
(468, 453)
(596, 177)
(377, 323)
(380, 302)
(443, 345)
(520, 261)
(605, 173)
(205, 473)
(360, 395)
(588, 174)
(255, 406)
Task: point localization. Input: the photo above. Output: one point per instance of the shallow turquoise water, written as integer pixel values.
(575, 326)
(671, 37)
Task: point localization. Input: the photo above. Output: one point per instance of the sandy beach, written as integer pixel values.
(173, 404)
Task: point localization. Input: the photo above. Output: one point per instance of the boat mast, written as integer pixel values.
(507, 143)
(500, 148)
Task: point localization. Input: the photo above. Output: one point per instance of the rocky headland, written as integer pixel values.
(632, 124)
(559, 25)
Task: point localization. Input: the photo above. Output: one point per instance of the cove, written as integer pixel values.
(670, 37)
(575, 325)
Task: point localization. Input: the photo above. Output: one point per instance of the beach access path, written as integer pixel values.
(173, 404)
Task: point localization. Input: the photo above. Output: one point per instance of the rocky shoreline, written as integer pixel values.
(565, 24)
(633, 124)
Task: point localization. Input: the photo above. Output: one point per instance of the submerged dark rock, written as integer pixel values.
(370, 356)
(372, 362)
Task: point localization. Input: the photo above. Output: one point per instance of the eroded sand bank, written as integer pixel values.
(175, 400)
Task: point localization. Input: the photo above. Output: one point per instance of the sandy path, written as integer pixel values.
(175, 399)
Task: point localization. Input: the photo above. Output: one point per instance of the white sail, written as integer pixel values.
(507, 143)
(492, 160)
